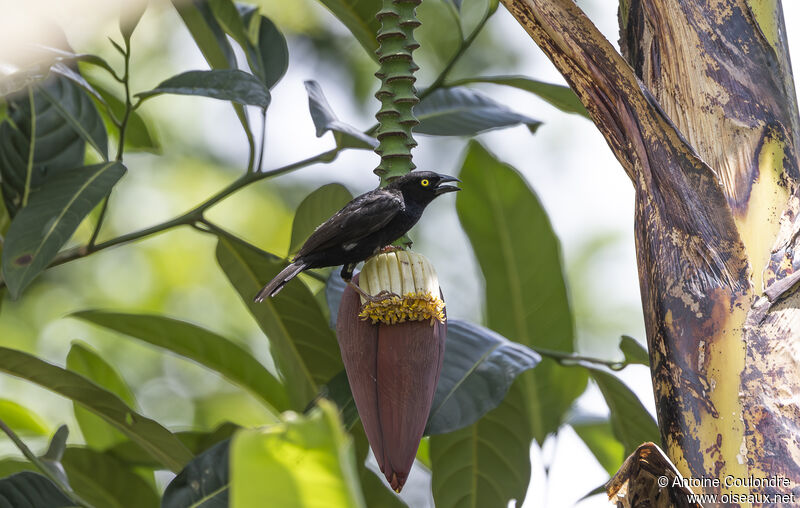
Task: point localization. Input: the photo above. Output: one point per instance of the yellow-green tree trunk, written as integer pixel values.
(702, 114)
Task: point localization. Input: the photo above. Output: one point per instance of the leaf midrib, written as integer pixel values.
(248, 271)
(60, 216)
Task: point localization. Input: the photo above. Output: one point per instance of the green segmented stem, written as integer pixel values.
(397, 93)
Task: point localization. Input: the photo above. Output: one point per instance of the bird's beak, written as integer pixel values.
(443, 189)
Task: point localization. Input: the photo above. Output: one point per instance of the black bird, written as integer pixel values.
(366, 224)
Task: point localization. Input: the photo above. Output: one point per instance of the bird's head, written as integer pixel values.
(424, 186)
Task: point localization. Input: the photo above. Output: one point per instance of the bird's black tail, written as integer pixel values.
(280, 280)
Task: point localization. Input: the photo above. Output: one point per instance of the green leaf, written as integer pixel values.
(630, 421)
(51, 460)
(57, 146)
(53, 214)
(599, 437)
(97, 433)
(312, 454)
(197, 442)
(472, 13)
(22, 420)
(273, 51)
(338, 391)
(634, 352)
(485, 464)
(207, 33)
(158, 441)
(304, 348)
(440, 36)
(315, 209)
(227, 15)
(9, 466)
(224, 84)
(213, 43)
(198, 344)
(72, 103)
(560, 96)
(138, 136)
(465, 112)
(345, 135)
(203, 483)
(104, 481)
(359, 17)
(31, 490)
(526, 296)
(478, 369)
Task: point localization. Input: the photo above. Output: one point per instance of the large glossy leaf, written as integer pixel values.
(485, 464)
(312, 454)
(599, 438)
(9, 466)
(138, 136)
(526, 297)
(72, 103)
(196, 441)
(204, 482)
(22, 420)
(345, 135)
(559, 96)
(103, 480)
(158, 441)
(229, 19)
(630, 421)
(97, 432)
(224, 84)
(51, 217)
(359, 17)
(464, 112)
(315, 209)
(479, 368)
(303, 346)
(56, 145)
(198, 344)
(31, 490)
(207, 33)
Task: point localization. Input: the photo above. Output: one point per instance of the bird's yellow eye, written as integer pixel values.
(425, 182)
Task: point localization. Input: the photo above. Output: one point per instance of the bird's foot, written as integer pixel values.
(389, 248)
(383, 295)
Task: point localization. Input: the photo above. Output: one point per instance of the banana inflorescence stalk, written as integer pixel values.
(397, 93)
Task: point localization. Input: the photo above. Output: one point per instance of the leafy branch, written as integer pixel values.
(122, 126)
(195, 215)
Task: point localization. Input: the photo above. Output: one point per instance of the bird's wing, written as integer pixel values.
(360, 217)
